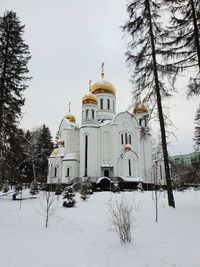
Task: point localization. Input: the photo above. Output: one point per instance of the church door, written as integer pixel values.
(106, 173)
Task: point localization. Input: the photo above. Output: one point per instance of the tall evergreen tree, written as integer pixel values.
(15, 157)
(197, 130)
(44, 149)
(14, 57)
(149, 72)
(184, 39)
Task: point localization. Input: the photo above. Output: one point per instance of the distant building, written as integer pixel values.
(185, 159)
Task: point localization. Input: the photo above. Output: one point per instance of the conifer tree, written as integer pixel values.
(69, 195)
(145, 32)
(184, 39)
(84, 191)
(15, 156)
(34, 188)
(14, 57)
(197, 130)
(44, 149)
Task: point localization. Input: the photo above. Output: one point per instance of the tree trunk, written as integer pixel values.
(196, 32)
(160, 114)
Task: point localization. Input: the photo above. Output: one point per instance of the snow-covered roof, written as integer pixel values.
(58, 152)
(101, 178)
(131, 179)
(103, 81)
(71, 156)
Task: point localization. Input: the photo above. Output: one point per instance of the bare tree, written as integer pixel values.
(121, 217)
(48, 205)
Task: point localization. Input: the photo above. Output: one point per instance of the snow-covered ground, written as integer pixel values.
(83, 237)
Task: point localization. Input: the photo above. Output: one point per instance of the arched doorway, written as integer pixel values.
(106, 173)
(104, 184)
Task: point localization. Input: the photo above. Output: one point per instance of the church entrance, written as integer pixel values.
(106, 173)
(104, 184)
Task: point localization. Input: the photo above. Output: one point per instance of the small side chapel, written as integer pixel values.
(106, 147)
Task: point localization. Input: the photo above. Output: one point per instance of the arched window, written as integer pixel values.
(108, 103)
(67, 171)
(129, 167)
(101, 103)
(55, 171)
(122, 139)
(86, 154)
(129, 139)
(126, 138)
(86, 113)
(92, 113)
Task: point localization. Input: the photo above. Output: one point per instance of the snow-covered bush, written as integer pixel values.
(34, 188)
(140, 187)
(121, 214)
(69, 196)
(116, 188)
(84, 191)
(59, 189)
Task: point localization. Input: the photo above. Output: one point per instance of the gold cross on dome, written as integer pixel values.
(90, 85)
(102, 70)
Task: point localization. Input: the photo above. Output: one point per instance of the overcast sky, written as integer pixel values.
(68, 40)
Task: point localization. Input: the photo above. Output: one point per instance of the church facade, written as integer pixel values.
(106, 147)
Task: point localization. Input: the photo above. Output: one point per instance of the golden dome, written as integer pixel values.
(141, 108)
(70, 117)
(60, 143)
(54, 152)
(103, 87)
(89, 99)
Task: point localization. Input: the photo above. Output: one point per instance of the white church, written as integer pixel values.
(106, 147)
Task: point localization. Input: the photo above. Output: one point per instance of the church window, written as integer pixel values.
(140, 122)
(93, 113)
(129, 167)
(108, 103)
(86, 154)
(101, 103)
(67, 172)
(87, 113)
(160, 172)
(55, 172)
(126, 138)
(129, 139)
(122, 139)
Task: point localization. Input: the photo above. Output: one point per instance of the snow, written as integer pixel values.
(103, 81)
(82, 236)
(132, 179)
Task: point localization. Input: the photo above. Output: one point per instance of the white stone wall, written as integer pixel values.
(105, 113)
(73, 166)
(93, 161)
